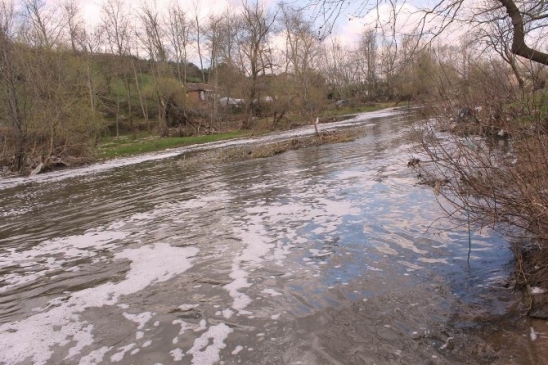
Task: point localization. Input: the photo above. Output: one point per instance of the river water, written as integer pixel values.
(324, 255)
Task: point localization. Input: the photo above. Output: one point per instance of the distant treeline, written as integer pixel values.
(64, 84)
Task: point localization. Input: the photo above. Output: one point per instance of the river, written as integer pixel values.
(323, 255)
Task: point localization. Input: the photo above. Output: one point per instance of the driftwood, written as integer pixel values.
(51, 163)
(38, 169)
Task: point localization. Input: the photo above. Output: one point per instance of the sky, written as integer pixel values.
(92, 9)
(350, 22)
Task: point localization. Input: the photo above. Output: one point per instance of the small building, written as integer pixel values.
(198, 92)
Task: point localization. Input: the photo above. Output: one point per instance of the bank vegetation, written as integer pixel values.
(140, 72)
(484, 145)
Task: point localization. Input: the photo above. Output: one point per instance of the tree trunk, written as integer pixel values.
(162, 122)
(129, 109)
(519, 47)
(143, 106)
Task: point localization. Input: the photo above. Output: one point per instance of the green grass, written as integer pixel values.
(125, 146)
(530, 108)
(111, 147)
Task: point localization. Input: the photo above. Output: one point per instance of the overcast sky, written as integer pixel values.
(347, 24)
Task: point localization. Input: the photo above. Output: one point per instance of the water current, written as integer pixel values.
(323, 255)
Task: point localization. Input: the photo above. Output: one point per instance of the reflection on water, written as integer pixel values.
(322, 255)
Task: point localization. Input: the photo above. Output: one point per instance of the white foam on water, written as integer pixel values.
(52, 255)
(227, 313)
(95, 356)
(239, 276)
(34, 337)
(177, 354)
(237, 350)
(119, 356)
(271, 292)
(320, 253)
(141, 319)
(206, 348)
(261, 242)
(187, 307)
(432, 261)
(184, 326)
(15, 212)
(344, 175)
(202, 326)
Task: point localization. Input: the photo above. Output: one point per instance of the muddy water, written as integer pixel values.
(326, 255)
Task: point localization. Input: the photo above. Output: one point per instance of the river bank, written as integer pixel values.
(148, 142)
(492, 171)
(335, 128)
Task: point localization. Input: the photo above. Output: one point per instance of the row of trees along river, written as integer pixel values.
(66, 82)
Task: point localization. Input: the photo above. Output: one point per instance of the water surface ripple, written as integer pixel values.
(325, 255)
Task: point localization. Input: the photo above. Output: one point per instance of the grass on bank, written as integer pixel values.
(124, 146)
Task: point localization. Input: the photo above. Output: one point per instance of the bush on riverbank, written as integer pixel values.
(493, 169)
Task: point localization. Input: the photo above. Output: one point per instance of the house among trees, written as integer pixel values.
(198, 92)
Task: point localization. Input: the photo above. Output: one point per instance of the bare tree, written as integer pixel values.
(197, 28)
(338, 67)
(118, 32)
(303, 47)
(44, 23)
(368, 52)
(12, 91)
(75, 25)
(86, 41)
(178, 28)
(229, 27)
(257, 24)
(497, 37)
(527, 18)
(213, 40)
(168, 92)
